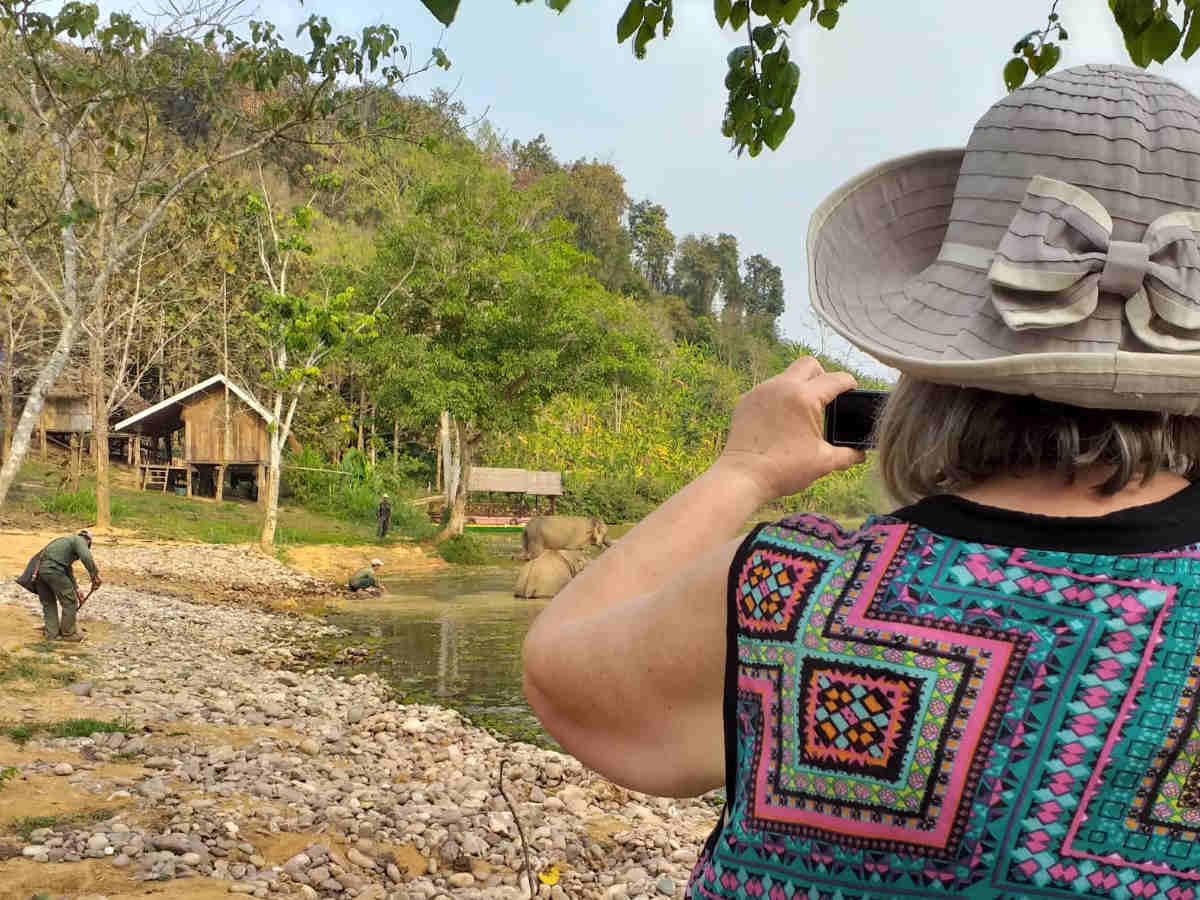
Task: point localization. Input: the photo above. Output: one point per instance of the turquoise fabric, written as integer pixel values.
(914, 714)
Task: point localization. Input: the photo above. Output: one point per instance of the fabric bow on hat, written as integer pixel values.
(1058, 256)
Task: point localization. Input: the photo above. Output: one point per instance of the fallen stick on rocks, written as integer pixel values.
(530, 878)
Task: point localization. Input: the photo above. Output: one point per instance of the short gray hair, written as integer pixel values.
(936, 439)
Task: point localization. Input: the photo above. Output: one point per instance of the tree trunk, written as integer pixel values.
(374, 452)
(271, 517)
(100, 427)
(395, 446)
(362, 414)
(6, 400)
(458, 477)
(75, 467)
(32, 410)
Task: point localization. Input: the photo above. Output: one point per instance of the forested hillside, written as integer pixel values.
(384, 274)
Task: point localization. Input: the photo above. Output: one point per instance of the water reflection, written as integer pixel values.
(454, 637)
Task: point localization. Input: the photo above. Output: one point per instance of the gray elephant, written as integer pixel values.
(549, 573)
(562, 533)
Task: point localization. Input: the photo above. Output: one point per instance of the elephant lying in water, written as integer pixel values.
(549, 573)
(562, 533)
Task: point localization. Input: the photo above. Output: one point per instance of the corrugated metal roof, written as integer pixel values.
(515, 481)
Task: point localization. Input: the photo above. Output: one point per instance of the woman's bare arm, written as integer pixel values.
(626, 666)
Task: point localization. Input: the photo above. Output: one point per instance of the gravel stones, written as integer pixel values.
(405, 795)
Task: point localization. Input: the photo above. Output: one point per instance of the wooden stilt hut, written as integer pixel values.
(225, 439)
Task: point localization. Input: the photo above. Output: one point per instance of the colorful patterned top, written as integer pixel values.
(962, 701)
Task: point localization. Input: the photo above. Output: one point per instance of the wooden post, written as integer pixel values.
(187, 471)
(42, 435)
(220, 482)
(261, 483)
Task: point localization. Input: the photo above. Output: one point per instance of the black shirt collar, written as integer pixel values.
(1167, 524)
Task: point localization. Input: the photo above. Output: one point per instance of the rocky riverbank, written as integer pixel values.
(238, 769)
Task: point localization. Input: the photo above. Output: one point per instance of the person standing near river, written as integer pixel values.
(56, 586)
(383, 516)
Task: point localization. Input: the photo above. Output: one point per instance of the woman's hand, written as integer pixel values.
(776, 438)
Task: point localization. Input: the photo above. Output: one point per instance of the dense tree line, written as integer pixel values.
(389, 279)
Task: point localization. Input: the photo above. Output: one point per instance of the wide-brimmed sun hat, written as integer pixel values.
(1058, 254)
(377, 562)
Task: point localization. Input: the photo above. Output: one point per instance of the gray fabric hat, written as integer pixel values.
(1058, 254)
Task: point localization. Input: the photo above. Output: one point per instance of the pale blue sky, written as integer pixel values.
(891, 79)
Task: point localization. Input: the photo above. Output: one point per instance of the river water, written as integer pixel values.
(453, 638)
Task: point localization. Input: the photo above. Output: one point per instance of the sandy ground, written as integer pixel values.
(336, 563)
(22, 702)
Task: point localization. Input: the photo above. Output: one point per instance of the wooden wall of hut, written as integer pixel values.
(204, 428)
(66, 414)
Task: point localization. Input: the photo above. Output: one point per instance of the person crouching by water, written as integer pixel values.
(365, 577)
(56, 586)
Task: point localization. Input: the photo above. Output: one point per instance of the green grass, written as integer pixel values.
(465, 550)
(7, 774)
(160, 516)
(23, 733)
(27, 825)
(13, 668)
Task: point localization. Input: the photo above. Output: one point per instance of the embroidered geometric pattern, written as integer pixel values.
(921, 716)
(769, 590)
(856, 718)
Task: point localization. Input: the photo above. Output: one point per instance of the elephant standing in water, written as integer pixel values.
(549, 573)
(562, 533)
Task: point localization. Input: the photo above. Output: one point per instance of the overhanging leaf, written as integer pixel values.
(443, 10)
(1161, 40)
(630, 20)
(1015, 72)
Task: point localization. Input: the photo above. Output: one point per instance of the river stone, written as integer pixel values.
(360, 859)
(666, 886)
(461, 880)
(310, 746)
(63, 768)
(574, 799)
(35, 850)
(97, 842)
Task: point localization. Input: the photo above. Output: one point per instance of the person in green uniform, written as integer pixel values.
(383, 516)
(365, 577)
(56, 585)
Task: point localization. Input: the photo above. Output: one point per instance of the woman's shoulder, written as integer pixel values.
(818, 528)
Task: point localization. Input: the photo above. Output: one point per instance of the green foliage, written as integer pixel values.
(611, 497)
(27, 825)
(354, 496)
(67, 728)
(464, 550)
(7, 774)
(80, 504)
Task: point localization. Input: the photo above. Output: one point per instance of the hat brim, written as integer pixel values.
(876, 278)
